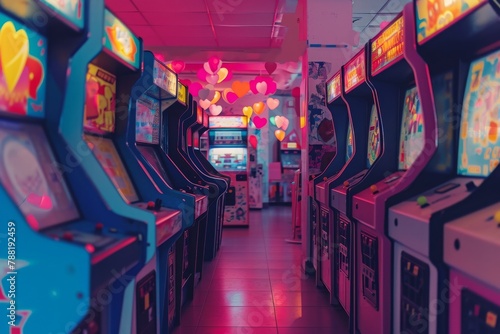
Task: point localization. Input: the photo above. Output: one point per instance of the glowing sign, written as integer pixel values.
(164, 78)
(228, 122)
(354, 71)
(182, 93)
(121, 41)
(99, 109)
(70, 10)
(333, 88)
(387, 47)
(435, 15)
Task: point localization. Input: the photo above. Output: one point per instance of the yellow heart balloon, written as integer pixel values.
(280, 134)
(14, 50)
(258, 107)
(247, 111)
(303, 122)
(216, 97)
(223, 72)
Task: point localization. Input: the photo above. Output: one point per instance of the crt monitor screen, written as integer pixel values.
(99, 100)
(373, 137)
(29, 172)
(350, 143)
(151, 156)
(105, 152)
(412, 139)
(479, 145)
(230, 159)
(147, 121)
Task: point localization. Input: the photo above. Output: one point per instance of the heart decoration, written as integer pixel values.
(35, 69)
(223, 73)
(215, 110)
(259, 122)
(296, 92)
(270, 67)
(247, 111)
(303, 122)
(231, 97)
(13, 54)
(207, 69)
(201, 74)
(212, 78)
(43, 202)
(280, 134)
(270, 89)
(185, 82)
(253, 141)
(282, 122)
(272, 119)
(195, 88)
(261, 87)
(272, 103)
(178, 66)
(203, 94)
(205, 104)
(211, 94)
(214, 63)
(240, 88)
(258, 107)
(216, 97)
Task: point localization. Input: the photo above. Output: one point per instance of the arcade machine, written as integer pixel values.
(205, 168)
(359, 98)
(289, 156)
(172, 144)
(199, 126)
(227, 152)
(319, 218)
(471, 76)
(405, 100)
(64, 247)
(154, 91)
(94, 124)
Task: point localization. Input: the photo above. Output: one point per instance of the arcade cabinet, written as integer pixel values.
(94, 124)
(407, 119)
(289, 156)
(63, 245)
(358, 96)
(227, 152)
(338, 109)
(463, 76)
(153, 92)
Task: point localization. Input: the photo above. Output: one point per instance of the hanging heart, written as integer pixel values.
(272, 119)
(211, 94)
(248, 111)
(205, 104)
(216, 97)
(214, 63)
(272, 87)
(270, 67)
(201, 74)
(296, 92)
(231, 97)
(258, 107)
(240, 88)
(280, 134)
(195, 88)
(259, 122)
(262, 87)
(272, 103)
(178, 66)
(207, 69)
(279, 121)
(203, 94)
(212, 78)
(253, 141)
(223, 73)
(215, 110)
(285, 123)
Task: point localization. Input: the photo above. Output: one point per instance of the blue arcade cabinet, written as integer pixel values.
(192, 123)
(94, 124)
(153, 92)
(68, 260)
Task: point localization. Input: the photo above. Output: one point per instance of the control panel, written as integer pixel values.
(369, 270)
(146, 304)
(344, 244)
(479, 316)
(171, 285)
(415, 278)
(325, 240)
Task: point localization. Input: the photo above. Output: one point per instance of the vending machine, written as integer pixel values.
(290, 161)
(227, 152)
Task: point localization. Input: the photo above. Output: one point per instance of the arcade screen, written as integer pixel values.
(479, 145)
(99, 101)
(105, 151)
(30, 174)
(290, 158)
(350, 143)
(373, 138)
(151, 156)
(147, 122)
(229, 159)
(412, 139)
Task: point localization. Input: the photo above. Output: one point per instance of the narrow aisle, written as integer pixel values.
(256, 286)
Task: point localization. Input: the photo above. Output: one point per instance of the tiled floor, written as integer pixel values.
(256, 286)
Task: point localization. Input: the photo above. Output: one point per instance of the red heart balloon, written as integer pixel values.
(185, 82)
(270, 67)
(253, 141)
(231, 97)
(259, 122)
(213, 62)
(296, 92)
(202, 74)
(195, 88)
(178, 66)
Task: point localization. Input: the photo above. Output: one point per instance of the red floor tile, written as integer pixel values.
(308, 316)
(241, 284)
(239, 298)
(241, 273)
(236, 330)
(238, 316)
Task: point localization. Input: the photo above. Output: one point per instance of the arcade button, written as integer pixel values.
(373, 189)
(346, 184)
(90, 248)
(68, 236)
(150, 205)
(325, 179)
(99, 227)
(422, 201)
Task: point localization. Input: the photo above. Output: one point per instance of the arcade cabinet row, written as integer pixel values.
(108, 212)
(405, 221)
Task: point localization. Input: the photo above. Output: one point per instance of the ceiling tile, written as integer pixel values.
(132, 18)
(117, 6)
(143, 31)
(249, 42)
(170, 6)
(362, 20)
(394, 6)
(192, 42)
(152, 42)
(222, 8)
(185, 32)
(243, 32)
(233, 19)
(367, 6)
(159, 18)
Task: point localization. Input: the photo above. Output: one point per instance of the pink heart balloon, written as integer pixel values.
(231, 97)
(253, 141)
(178, 66)
(201, 74)
(272, 103)
(272, 87)
(195, 88)
(211, 94)
(203, 94)
(215, 110)
(215, 63)
(259, 122)
(205, 104)
(261, 87)
(270, 67)
(185, 82)
(212, 78)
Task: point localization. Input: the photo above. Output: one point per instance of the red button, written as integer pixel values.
(68, 236)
